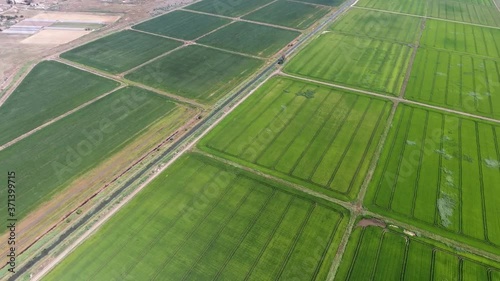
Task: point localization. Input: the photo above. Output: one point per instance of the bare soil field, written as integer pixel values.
(54, 37)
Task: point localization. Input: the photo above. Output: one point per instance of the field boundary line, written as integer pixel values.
(341, 248)
(433, 236)
(427, 17)
(232, 52)
(9, 89)
(29, 133)
(47, 268)
(409, 68)
(393, 98)
(345, 204)
(312, 4)
(236, 19)
(126, 82)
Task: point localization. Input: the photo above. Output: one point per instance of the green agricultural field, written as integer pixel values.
(324, 2)
(458, 81)
(416, 7)
(378, 25)
(197, 73)
(250, 38)
(464, 12)
(290, 14)
(121, 51)
(312, 135)
(51, 158)
(374, 253)
(461, 38)
(182, 24)
(441, 172)
(230, 8)
(203, 220)
(365, 63)
(47, 92)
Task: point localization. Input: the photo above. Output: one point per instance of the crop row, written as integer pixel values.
(374, 253)
(439, 170)
(206, 220)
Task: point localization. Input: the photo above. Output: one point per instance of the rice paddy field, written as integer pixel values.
(315, 136)
(459, 37)
(250, 38)
(47, 92)
(441, 172)
(456, 80)
(465, 12)
(374, 253)
(228, 8)
(332, 3)
(415, 7)
(51, 158)
(182, 24)
(203, 220)
(121, 51)
(380, 25)
(289, 14)
(195, 72)
(360, 62)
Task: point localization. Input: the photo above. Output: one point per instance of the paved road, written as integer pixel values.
(214, 116)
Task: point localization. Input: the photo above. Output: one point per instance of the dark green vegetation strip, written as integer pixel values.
(315, 136)
(250, 38)
(182, 24)
(288, 13)
(231, 8)
(196, 72)
(50, 159)
(462, 38)
(373, 253)
(378, 25)
(441, 172)
(456, 80)
(49, 90)
(203, 220)
(121, 51)
(365, 63)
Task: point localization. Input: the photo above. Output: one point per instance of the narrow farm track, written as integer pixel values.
(27, 134)
(244, 20)
(130, 83)
(393, 98)
(427, 17)
(180, 147)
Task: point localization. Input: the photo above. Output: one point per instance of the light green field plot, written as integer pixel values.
(371, 64)
(250, 38)
(229, 8)
(464, 12)
(416, 7)
(324, 2)
(379, 25)
(290, 14)
(182, 24)
(312, 135)
(441, 172)
(121, 51)
(51, 158)
(47, 92)
(203, 220)
(196, 72)
(374, 253)
(458, 81)
(462, 38)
